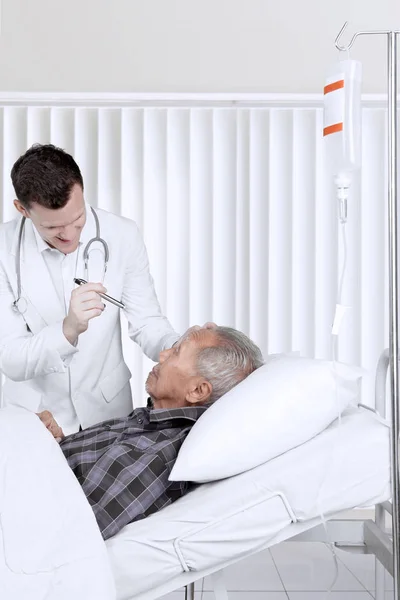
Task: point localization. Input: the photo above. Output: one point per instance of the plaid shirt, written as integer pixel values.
(123, 464)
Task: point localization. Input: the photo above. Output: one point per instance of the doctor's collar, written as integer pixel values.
(41, 244)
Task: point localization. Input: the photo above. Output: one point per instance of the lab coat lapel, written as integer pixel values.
(37, 285)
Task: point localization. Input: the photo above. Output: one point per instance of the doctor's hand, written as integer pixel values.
(85, 304)
(51, 424)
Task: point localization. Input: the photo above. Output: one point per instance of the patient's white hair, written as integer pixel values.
(229, 362)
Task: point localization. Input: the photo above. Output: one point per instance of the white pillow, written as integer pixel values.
(283, 404)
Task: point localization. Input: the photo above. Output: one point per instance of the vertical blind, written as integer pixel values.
(238, 214)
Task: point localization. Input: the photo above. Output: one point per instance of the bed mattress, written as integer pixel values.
(346, 466)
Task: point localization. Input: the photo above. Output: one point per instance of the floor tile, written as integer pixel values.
(388, 582)
(258, 572)
(247, 596)
(363, 568)
(333, 596)
(361, 565)
(310, 566)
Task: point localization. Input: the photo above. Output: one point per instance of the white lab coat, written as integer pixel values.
(42, 369)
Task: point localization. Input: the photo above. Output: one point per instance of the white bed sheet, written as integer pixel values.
(221, 522)
(50, 545)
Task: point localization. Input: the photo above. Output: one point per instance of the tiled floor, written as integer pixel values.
(295, 571)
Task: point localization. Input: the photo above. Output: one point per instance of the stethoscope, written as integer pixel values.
(20, 304)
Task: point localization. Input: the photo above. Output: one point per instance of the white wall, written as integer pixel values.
(185, 45)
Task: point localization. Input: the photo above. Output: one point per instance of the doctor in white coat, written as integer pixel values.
(60, 345)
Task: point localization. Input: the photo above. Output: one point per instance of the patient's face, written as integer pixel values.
(174, 381)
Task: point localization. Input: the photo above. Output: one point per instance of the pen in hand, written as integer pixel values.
(104, 296)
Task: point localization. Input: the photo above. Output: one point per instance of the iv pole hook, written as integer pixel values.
(355, 36)
(339, 35)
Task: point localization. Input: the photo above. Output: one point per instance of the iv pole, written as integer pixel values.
(393, 283)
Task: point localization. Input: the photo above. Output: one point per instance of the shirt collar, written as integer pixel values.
(41, 244)
(189, 413)
(88, 232)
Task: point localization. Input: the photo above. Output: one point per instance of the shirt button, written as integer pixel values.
(140, 421)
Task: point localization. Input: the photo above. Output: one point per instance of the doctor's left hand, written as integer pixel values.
(51, 424)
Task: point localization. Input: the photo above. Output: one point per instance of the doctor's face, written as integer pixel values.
(175, 382)
(60, 228)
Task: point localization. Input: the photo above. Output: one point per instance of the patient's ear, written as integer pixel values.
(199, 393)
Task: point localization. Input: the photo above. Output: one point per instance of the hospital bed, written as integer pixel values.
(289, 497)
(51, 546)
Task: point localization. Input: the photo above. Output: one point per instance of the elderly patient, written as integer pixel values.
(123, 464)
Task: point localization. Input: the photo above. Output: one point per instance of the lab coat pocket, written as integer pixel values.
(114, 382)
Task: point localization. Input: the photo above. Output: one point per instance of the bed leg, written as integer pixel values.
(189, 591)
(380, 571)
(219, 587)
(379, 580)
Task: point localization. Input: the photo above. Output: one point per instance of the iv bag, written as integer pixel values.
(342, 117)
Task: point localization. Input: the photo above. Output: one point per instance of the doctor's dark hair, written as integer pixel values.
(229, 362)
(45, 174)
